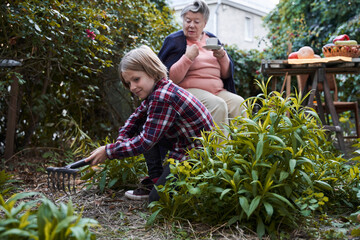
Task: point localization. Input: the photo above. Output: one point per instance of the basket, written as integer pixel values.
(342, 50)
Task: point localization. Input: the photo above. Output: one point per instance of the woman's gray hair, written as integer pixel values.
(198, 6)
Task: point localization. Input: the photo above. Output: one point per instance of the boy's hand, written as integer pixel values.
(97, 156)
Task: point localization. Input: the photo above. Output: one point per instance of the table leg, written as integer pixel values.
(314, 84)
(320, 108)
(273, 83)
(315, 93)
(330, 105)
(288, 85)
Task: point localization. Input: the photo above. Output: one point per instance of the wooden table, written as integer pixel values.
(316, 68)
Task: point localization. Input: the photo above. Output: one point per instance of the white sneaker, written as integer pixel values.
(142, 192)
(137, 195)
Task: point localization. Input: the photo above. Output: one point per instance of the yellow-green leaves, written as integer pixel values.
(23, 220)
(255, 175)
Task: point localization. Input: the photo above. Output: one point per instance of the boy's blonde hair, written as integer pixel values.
(145, 60)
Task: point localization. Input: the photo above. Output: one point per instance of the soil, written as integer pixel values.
(119, 217)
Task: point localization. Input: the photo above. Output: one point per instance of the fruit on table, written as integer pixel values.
(343, 37)
(329, 45)
(293, 55)
(347, 42)
(345, 48)
(305, 52)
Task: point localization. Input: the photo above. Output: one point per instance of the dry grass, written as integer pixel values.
(121, 218)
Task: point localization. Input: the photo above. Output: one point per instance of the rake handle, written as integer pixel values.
(78, 164)
(70, 168)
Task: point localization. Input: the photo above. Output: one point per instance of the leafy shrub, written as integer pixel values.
(116, 173)
(247, 64)
(263, 175)
(5, 182)
(22, 221)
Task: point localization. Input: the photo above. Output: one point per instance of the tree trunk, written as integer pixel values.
(11, 118)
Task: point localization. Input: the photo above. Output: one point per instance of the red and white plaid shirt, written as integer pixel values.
(169, 112)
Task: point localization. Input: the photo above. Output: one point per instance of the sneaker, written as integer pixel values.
(141, 193)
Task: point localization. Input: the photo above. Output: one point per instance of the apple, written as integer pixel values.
(293, 55)
(343, 37)
(305, 52)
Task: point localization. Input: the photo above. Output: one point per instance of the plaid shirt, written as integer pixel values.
(169, 112)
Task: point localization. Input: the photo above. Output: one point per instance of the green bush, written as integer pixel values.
(6, 182)
(22, 220)
(247, 64)
(117, 173)
(275, 168)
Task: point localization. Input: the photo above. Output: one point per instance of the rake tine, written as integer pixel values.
(53, 180)
(57, 176)
(69, 181)
(48, 179)
(63, 182)
(58, 181)
(74, 188)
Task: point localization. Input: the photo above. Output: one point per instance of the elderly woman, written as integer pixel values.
(207, 74)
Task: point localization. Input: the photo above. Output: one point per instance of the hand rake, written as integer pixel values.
(58, 175)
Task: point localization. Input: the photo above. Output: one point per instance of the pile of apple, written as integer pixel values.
(305, 52)
(342, 40)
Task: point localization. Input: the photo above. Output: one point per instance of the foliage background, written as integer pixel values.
(69, 80)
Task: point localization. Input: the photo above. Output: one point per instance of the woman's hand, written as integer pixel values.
(97, 156)
(192, 52)
(219, 53)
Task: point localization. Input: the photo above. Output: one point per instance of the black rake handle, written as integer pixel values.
(78, 164)
(70, 168)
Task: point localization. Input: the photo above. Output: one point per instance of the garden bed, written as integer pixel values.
(121, 218)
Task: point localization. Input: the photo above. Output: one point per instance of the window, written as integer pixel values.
(248, 29)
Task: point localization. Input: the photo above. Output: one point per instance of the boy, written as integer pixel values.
(168, 120)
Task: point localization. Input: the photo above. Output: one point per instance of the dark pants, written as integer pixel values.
(154, 160)
(154, 196)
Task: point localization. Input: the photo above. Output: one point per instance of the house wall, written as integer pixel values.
(236, 22)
